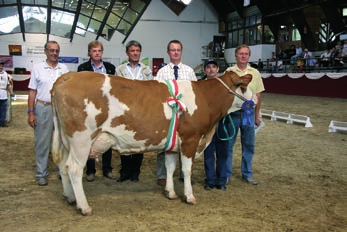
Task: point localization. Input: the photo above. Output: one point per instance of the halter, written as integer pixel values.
(230, 90)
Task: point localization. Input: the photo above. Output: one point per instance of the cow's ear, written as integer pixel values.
(246, 79)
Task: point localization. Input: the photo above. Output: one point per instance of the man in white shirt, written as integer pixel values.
(4, 87)
(40, 117)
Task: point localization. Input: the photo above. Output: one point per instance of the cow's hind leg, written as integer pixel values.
(68, 190)
(170, 164)
(186, 168)
(75, 165)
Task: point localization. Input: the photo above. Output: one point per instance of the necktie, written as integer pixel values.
(176, 71)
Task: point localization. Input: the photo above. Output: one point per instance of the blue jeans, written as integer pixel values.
(3, 103)
(215, 157)
(247, 144)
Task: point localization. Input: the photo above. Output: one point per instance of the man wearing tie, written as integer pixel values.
(175, 70)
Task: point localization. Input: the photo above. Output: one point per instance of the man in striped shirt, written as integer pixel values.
(175, 70)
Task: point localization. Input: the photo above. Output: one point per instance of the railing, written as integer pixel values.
(316, 65)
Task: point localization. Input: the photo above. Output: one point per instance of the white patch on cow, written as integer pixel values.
(120, 108)
(91, 111)
(125, 141)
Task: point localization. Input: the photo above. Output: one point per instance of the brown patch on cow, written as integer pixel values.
(246, 79)
(213, 100)
(70, 91)
(145, 116)
(95, 133)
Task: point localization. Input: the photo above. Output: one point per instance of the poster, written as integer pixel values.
(15, 50)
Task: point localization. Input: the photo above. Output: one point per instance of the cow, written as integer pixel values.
(93, 112)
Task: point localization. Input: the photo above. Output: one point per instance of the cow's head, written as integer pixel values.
(238, 81)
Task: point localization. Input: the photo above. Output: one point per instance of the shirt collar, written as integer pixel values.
(172, 65)
(239, 70)
(47, 66)
(130, 66)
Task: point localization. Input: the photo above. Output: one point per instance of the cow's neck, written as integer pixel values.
(222, 101)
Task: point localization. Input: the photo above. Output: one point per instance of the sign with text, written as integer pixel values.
(15, 50)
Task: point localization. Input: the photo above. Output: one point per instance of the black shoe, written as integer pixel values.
(209, 187)
(3, 125)
(122, 179)
(221, 187)
(135, 179)
(110, 176)
(90, 177)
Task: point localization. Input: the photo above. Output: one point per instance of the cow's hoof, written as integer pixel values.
(191, 201)
(70, 200)
(171, 196)
(87, 212)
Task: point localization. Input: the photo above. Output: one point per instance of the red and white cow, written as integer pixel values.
(93, 112)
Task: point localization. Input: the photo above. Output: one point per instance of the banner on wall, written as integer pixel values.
(68, 60)
(7, 60)
(15, 50)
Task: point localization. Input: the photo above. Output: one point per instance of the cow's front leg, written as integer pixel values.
(186, 168)
(170, 164)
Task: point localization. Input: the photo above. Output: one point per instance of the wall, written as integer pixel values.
(195, 27)
(261, 51)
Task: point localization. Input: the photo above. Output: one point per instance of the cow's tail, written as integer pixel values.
(57, 145)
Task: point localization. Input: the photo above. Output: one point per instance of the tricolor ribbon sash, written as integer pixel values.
(177, 106)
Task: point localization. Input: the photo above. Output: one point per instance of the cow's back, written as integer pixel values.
(94, 102)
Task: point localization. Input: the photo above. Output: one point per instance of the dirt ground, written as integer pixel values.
(302, 174)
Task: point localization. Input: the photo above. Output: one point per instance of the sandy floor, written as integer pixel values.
(302, 174)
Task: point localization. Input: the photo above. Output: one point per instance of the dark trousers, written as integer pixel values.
(106, 163)
(130, 165)
(3, 103)
(216, 155)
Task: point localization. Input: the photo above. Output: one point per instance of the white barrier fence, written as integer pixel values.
(336, 126)
(289, 118)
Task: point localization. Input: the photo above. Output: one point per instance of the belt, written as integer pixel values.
(43, 102)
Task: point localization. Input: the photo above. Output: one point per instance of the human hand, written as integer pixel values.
(32, 120)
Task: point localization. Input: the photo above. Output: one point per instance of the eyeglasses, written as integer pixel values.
(175, 50)
(53, 50)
